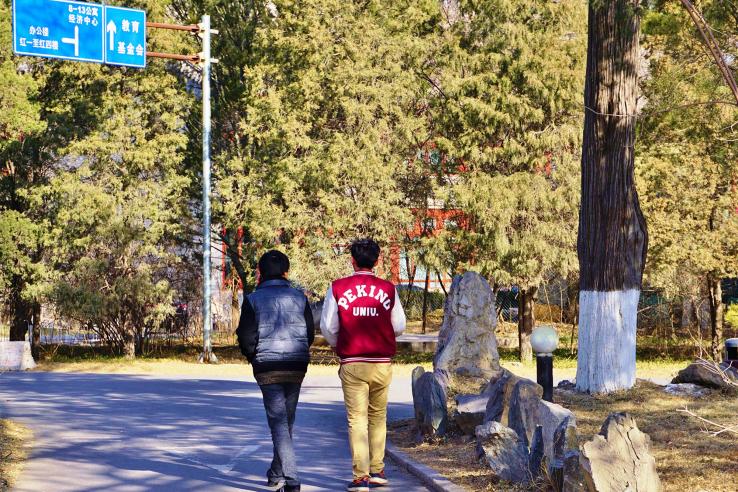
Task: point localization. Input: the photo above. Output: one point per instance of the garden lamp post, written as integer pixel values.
(544, 341)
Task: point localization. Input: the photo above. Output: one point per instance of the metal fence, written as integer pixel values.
(657, 316)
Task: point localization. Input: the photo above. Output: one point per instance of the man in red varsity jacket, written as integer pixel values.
(362, 316)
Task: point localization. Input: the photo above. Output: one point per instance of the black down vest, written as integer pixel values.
(280, 318)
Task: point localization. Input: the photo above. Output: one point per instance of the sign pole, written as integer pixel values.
(207, 323)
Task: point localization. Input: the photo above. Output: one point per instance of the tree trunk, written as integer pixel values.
(612, 238)
(22, 312)
(526, 322)
(36, 333)
(716, 316)
(129, 343)
(425, 298)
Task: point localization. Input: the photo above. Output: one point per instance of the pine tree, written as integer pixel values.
(319, 108)
(507, 83)
(612, 231)
(20, 121)
(99, 192)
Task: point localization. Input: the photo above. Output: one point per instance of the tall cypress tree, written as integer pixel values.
(612, 230)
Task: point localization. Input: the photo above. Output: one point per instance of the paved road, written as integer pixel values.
(136, 433)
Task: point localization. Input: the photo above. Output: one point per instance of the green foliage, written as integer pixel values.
(94, 214)
(320, 110)
(687, 166)
(115, 219)
(19, 113)
(509, 83)
(18, 238)
(731, 315)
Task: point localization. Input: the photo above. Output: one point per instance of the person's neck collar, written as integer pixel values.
(364, 271)
(272, 278)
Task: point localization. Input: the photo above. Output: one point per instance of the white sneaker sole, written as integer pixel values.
(378, 481)
(358, 488)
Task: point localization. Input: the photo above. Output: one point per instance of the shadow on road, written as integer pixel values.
(101, 432)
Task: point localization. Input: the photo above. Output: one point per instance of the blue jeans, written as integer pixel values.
(280, 402)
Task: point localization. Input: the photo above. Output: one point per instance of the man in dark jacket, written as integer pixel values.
(275, 333)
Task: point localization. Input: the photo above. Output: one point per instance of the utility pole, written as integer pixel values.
(205, 61)
(207, 323)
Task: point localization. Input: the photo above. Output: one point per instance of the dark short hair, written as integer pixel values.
(365, 252)
(273, 264)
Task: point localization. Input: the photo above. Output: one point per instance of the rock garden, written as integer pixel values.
(486, 428)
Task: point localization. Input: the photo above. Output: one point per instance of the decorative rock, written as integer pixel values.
(429, 400)
(564, 439)
(500, 391)
(566, 385)
(516, 402)
(470, 410)
(537, 449)
(466, 343)
(551, 416)
(525, 400)
(687, 389)
(564, 467)
(503, 450)
(703, 374)
(619, 458)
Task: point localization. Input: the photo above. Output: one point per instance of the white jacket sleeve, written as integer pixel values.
(398, 316)
(329, 319)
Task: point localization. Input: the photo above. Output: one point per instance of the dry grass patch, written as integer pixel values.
(13, 440)
(174, 367)
(689, 458)
(454, 457)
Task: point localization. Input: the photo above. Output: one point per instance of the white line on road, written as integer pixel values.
(226, 469)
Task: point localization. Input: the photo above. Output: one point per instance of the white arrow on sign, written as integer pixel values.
(111, 30)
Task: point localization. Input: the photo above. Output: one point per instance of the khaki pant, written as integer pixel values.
(365, 388)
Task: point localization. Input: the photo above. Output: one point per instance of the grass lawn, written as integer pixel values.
(13, 440)
(181, 360)
(688, 458)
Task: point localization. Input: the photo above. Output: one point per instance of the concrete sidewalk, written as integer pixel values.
(132, 433)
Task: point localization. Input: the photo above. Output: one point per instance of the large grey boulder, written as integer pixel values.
(470, 410)
(687, 389)
(466, 343)
(517, 403)
(525, 399)
(429, 400)
(500, 390)
(619, 458)
(565, 462)
(536, 453)
(719, 376)
(503, 450)
(550, 417)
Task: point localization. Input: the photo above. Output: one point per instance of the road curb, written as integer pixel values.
(430, 477)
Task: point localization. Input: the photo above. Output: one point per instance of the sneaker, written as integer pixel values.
(359, 485)
(287, 488)
(378, 479)
(276, 483)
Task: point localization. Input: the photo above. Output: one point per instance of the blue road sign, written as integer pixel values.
(79, 31)
(59, 29)
(125, 37)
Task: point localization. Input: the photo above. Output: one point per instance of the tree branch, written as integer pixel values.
(712, 45)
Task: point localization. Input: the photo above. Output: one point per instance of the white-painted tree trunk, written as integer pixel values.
(607, 340)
